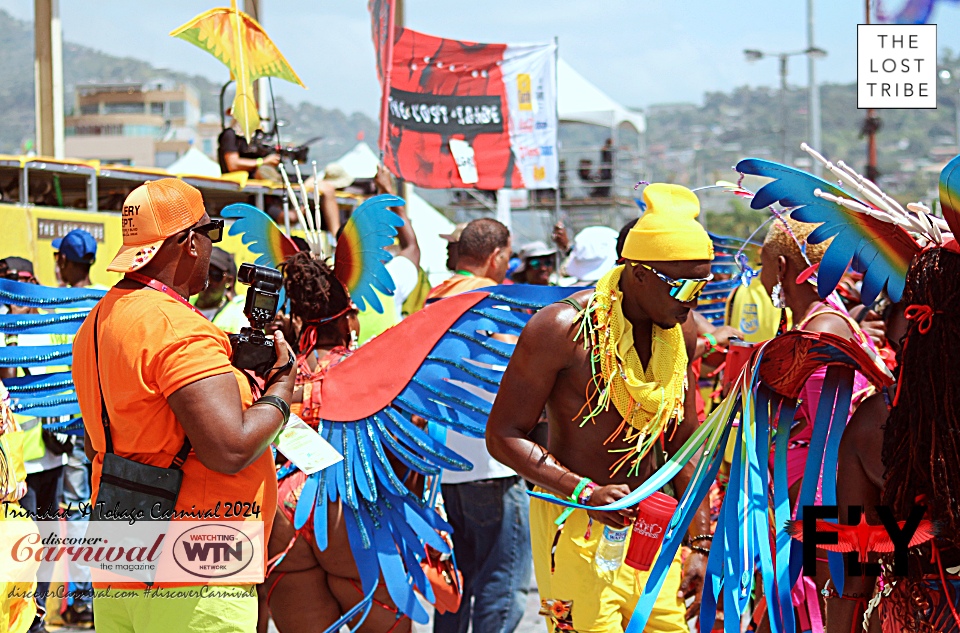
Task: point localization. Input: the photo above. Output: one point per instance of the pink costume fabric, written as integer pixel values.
(804, 594)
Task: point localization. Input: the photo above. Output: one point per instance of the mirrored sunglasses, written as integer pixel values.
(541, 262)
(682, 290)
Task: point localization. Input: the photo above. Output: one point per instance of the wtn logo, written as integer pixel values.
(221, 551)
(859, 538)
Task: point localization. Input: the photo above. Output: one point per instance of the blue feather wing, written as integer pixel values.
(881, 250)
(454, 386)
(27, 295)
(56, 323)
(790, 187)
(44, 395)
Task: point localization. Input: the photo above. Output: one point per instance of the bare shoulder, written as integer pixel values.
(866, 424)
(555, 326)
(560, 316)
(831, 323)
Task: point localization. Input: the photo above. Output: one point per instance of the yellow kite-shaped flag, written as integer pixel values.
(237, 40)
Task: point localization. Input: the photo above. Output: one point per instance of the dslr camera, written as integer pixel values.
(252, 349)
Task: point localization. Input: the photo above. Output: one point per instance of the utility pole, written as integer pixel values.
(869, 129)
(783, 110)
(813, 106)
(254, 8)
(753, 55)
(404, 188)
(48, 77)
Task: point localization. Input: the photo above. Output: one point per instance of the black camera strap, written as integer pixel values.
(279, 370)
(181, 456)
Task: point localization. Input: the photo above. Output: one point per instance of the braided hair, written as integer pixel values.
(921, 439)
(315, 295)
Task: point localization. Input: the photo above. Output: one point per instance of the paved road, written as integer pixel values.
(531, 622)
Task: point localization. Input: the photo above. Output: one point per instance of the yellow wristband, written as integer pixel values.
(259, 162)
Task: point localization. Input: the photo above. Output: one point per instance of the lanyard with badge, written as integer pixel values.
(159, 286)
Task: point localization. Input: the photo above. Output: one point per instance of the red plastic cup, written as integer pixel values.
(738, 353)
(653, 517)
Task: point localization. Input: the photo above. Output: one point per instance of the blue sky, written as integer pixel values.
(640, 52)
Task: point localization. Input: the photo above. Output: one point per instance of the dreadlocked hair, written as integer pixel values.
(921, 439)
(314, 292)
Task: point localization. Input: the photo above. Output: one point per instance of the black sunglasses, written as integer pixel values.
(213, 230)
(21, 275)
(215, 275)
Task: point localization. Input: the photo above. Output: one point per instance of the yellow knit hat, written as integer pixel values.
(668, 230)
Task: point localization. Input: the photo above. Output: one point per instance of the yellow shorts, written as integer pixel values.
(597, 605)
(197, 609)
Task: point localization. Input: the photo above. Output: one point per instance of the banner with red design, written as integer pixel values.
(499, 99)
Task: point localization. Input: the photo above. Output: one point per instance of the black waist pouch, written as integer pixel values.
(131, 489)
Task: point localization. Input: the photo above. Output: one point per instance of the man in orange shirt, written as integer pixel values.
(165, 375)
(484, 254)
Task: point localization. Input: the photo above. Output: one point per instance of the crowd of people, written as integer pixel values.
(599, 392)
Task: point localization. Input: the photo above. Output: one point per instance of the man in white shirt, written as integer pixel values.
(487, 506)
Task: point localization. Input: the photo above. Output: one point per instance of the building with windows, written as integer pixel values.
(144, 125)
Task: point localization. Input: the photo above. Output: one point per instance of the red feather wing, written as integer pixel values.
(925, 532)
(846, 538)
(883, 543)
(377, 372)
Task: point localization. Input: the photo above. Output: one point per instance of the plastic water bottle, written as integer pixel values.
(609, 554)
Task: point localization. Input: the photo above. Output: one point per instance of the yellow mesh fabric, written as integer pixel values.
(647, 398)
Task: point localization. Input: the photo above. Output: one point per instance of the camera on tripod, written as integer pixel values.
(252, 349)
(264, 144)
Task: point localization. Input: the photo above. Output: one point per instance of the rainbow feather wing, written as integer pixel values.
(950, 195)
(361, 253)
(881, 250)
(260, 234)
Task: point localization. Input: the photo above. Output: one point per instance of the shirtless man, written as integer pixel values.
(667, 254)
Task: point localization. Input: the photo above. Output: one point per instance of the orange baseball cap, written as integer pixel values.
(151, 213)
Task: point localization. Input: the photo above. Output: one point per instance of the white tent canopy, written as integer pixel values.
(195, 163)
(582, 102)
(428, 223)
(360, 162)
